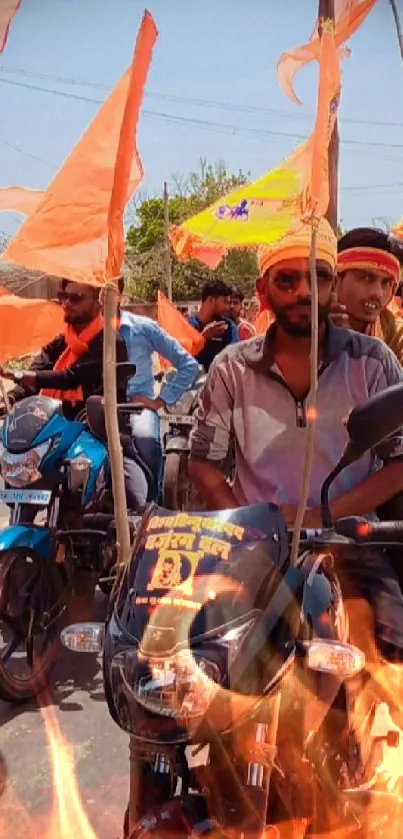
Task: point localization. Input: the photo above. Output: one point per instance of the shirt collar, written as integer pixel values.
(259, 355)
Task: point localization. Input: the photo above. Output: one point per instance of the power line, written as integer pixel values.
(209, 103)
(209, 125)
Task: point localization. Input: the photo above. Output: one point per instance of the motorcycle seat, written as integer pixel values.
(95, 410)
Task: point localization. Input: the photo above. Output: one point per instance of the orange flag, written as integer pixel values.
(67, 235)
(263, 320)
(26, 325)
(328, 101)
(349, 15)
(170, 319)
(20, 199)
(8, 8)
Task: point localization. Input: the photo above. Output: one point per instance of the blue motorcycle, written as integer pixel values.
(57, 471)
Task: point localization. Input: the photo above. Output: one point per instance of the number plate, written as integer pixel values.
(25, 496)
(177, 419)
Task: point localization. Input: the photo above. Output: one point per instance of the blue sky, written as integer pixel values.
(212, 92)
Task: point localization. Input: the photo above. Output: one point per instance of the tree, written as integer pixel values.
(144, 269)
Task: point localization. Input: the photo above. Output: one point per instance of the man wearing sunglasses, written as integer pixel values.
(369, 268)
(255, 398)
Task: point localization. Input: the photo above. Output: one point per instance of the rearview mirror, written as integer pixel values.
(372, 422)
(367, 426)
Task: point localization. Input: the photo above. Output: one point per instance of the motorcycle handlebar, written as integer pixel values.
(358, 530)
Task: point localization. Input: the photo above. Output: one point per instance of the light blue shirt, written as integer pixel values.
(143, 337)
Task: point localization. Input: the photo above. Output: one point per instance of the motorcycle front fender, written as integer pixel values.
(177, 444)
(36, 539)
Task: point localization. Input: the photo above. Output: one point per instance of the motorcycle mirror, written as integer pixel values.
(367, 426)
(83, 637)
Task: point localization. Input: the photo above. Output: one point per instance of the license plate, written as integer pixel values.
(25, 496)
(177, 419)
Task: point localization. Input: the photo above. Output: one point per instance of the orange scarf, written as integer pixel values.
(76, 346)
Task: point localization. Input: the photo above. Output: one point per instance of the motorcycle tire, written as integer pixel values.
(26, 579)
(175, 496)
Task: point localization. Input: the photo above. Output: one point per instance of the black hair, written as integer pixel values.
(237, 294)
(121, 285)
(215, 288)
(371, 237)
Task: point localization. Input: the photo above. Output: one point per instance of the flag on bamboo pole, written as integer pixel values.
(8, 9)
(262, 212)
(67, 235)
(349, 15)
(26, 325)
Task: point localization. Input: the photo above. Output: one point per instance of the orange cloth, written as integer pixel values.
(26, 325)
(67, 235)
(76, 346)
(8, 8)
(349, 15)
(297, 245)
(370, 259)
(264, 319)
(20, 199)
(170, 319)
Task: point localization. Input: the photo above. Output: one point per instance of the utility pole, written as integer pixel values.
(397, 23)
(326, 12)
(168, 264)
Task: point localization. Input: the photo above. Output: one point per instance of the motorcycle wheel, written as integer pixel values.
(32, 600)
(176, 482)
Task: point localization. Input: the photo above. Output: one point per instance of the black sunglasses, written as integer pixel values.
(288, 281)
(72, 297)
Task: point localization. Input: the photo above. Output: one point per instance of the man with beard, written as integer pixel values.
(255, 398)
(369, 267)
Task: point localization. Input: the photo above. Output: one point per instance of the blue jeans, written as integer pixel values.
(145, 428)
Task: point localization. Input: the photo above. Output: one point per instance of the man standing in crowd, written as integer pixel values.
(245, 329)
(369, 267)
(213, 321)
(255, 398)
(143, 338)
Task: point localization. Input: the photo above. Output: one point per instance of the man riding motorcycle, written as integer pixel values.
(70, 367)
(143, 338)
(369, 268)
(255, 396)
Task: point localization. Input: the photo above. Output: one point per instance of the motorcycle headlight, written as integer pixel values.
(78, 472)
(180, 687)
(19, 470)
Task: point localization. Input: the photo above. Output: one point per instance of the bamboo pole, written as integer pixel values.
(397, 24)
(111, 423)
(167, 254)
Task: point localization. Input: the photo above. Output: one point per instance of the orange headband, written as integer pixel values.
(370, 258)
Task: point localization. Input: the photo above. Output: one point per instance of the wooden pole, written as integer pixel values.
(326, 12)
(397, 24)
(111, 423)
(168, 264)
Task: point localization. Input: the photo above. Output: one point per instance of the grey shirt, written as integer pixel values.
(245, 399)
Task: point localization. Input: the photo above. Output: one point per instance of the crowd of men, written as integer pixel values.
(254, 398)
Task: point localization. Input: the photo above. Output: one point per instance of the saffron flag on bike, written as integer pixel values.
(67, 235)
(8, 9)
(349, 15)
(263, 212)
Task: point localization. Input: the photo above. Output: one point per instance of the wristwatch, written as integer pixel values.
(18, 376)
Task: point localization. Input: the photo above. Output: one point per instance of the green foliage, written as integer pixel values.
(145, 266)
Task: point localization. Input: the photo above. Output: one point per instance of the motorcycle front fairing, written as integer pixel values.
(191, 597)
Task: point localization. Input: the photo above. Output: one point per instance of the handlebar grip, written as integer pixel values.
(370, 532)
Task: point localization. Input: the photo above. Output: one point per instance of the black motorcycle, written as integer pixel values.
(214, 641)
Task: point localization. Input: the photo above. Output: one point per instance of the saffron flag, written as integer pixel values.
(170, 319)
(398, 230)
(67, 235)
(263, 212)
(8, 8)
(26, 325)
(20, 199)
(349, 15)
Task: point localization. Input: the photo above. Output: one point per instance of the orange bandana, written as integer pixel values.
(371, 259)
(297, 245)
(76, 346)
